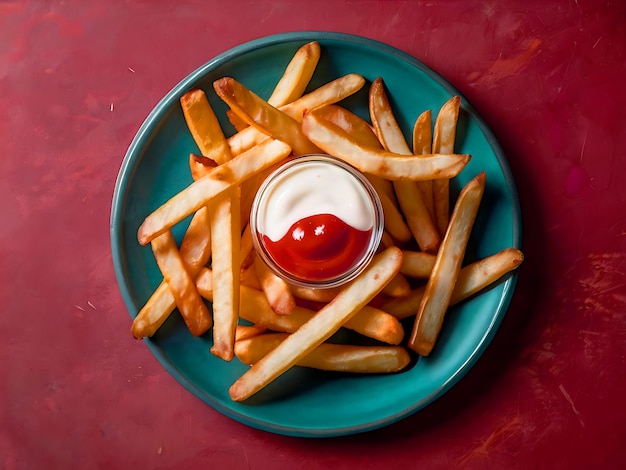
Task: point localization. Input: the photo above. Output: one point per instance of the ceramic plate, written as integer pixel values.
(305, 402)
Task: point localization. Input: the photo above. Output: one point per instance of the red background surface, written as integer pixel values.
(78, 78)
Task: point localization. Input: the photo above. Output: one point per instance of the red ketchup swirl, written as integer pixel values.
(319, 247)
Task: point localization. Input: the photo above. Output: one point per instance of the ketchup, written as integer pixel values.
(319, 247)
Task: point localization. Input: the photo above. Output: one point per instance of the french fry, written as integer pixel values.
(327, 94)
(244, 332)
(201, 192)
(204, 126)
(225, 238)
(330, 357)
(321, 327)
(245, 139)
(276, 290)
(335, 141)
(422, 145)
(246, 254)
(354, 125)
(443, 142)
(254, 307)
(189, 303)
(293, 82)
(248, 276)
(472, 278)
(315, 295)
(297, 75)
(264, 117)
(395, 225)
(330, 93)
(417, 264)
(386, 241)
(224, 220)
(409, 195)
(200, 165)
(398, 287)
(238, 123)
(440, 286)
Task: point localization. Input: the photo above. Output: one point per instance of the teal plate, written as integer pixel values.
(304, 402)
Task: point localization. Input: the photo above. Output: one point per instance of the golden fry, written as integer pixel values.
(246, 254)
(189, 303)
(417, 264)
(326, 356)
(204, 126)
(441, 283)
(297, 75)
(335, 141)
(276, 290)
(443, 142)
(422, 145)
(244, 332)
(398, 287)
(225, 238)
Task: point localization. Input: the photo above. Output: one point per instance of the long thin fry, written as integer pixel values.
(246, 255)
(315, 295)
(189, 303)
(276, 290)
(432, 309)
(204, 126)
(321, 327)
(244, 332)
(398, 287)
(200, 192)
(422, 145)
(331, 357)
(417, 264)
(335, 141)
(225, 238)
(409, 195)
(395, 224)
(472, 278)
(329, 93)
(297, 75)
(443, 142)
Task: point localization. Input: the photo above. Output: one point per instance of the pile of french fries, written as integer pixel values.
(258, 317)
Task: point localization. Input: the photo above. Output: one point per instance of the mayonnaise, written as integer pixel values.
(312, 188)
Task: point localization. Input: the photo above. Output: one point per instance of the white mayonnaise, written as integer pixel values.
(311, 188)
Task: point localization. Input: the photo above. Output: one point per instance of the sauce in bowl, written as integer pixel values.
(316, 221)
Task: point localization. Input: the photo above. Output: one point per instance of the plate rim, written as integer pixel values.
(142, 137)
